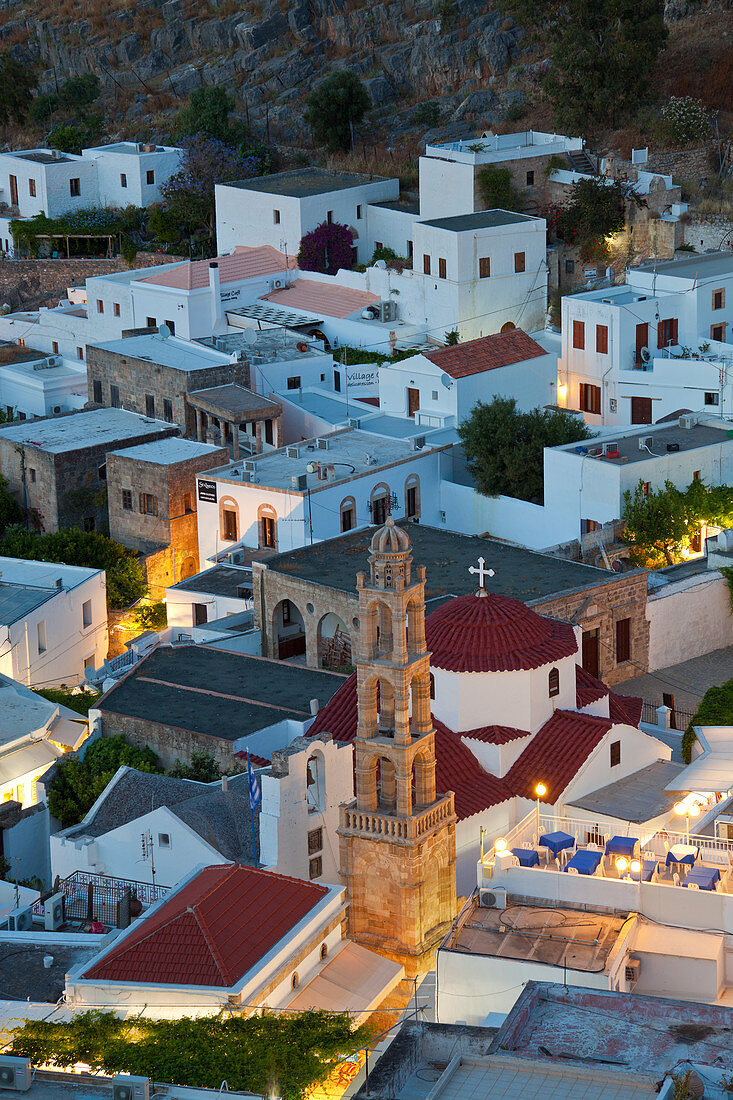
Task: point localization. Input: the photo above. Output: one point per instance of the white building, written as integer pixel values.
(53, 621)
(440, 388)
(584, 483)
(33, 384)
(234, 936)
(34, 181)
(637, 353)
(218, 593)
(278, 210)
(34, 733)
(313, 490)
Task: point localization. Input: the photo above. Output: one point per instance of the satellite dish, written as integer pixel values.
(381, 265)
(446, 380)
(645, 355)
(164, 331)
(249, 336)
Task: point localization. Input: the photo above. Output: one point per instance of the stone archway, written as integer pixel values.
(334, 642)
(288, 631)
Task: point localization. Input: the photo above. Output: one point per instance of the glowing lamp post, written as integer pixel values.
(683, 810)
(540, 792)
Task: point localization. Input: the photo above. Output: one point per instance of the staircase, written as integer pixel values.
(581, 162)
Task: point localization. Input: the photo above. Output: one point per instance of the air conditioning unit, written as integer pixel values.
(323, 444)
(632, 970)
(723, 828)
(250, 464)
(687, 422)
(387, 311)
(645, 441)
(610, 447)
(54, 913)
(300, 482)
(312, 467)
(15, 1074)
(292, 452)
(56, 409)
(277, 284)
(237, 557)
(130, 1088)
(492, 899)
(21, 920)
(417, 442)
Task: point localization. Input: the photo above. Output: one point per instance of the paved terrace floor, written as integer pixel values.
(687, 681)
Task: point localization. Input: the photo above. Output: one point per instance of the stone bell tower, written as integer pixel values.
(397, 839)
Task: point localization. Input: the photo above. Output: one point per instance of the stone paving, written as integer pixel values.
(687, 681)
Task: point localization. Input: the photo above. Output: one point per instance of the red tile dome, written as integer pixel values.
(493, 633)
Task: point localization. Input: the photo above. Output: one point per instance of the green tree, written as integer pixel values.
(207, 112)
(203, 768)
(715, 709)
(498, 190)
(72, 137)
(151, 616)
(80, 701)
(284, 1055)
(596, 209)
(660, 524)
(17, 81)
(603, 55)
(504, 447)
(70, 546)
(78, 782)
(79, 91)
(338, 102)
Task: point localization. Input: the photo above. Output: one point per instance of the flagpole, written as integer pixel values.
(251, 810)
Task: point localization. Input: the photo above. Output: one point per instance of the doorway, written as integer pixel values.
(641, 410)
(413, 401)
(591, 651)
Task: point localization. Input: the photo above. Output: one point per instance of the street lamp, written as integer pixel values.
(683, 810)
(622, 865)
(540, 792)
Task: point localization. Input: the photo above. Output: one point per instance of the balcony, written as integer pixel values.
(400, 830)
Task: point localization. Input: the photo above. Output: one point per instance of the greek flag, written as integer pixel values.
(255, 793)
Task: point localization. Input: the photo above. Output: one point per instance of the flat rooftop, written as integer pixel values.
(168, 351)
(234, 402)
(484, 219)
(710, 265)
(571, 938)
(166, 452)
(627, 1029)
(43, 156)
(351, 452)
(18, 600)
(79, 431)
(23, 976)
(639, 797)
(216, 693)
(405, 206)
(302, 182)
(35, 374)
(221, 580)
(519, 573)
(276, 345)
(681, 439)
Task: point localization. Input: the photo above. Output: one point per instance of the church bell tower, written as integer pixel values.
(397, 839)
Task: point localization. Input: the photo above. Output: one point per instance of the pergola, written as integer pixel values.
(230, 407)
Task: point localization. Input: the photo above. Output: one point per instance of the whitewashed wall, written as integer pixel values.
(688, 618)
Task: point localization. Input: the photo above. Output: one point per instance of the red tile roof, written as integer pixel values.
(486, 353)
(212, 930)
(625, 708)
(587, 688)
(495, 735)
(243, 263)
(553, 756)
(329, 299)
(494, 633)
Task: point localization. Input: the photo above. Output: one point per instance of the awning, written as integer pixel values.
(356, 980)
(31, 758)
(713, 769)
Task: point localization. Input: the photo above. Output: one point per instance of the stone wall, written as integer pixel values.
(684, 164)
(706, 232)
(33, 283)
(138, 378)
(169, 743)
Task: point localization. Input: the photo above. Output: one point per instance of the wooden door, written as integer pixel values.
(413, 401)
(13, 191)
(641, 410)
(590, 651)
(642, 341)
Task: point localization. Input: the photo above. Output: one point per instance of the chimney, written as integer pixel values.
(315, 706)
(224, 783)
(215, 290)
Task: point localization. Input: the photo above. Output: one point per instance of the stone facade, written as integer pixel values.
(397, 839)
(168, 534)
(138, 379)
(169, 743)
(623, 596)
(66, 489)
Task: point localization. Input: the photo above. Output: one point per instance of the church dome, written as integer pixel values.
(390, 539)
(493, 633)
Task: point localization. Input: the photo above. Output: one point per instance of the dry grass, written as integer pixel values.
(698, 61)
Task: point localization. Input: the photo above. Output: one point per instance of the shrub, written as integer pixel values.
(685, 119)
(327, 248)
(77, 783)
(333, 107)
(715, 709)
(427, 114)
(498, 190)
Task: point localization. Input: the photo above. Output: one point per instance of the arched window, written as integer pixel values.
(412, 497)
(324, 950)
(315, 783)
(348, 514)
(267, 526)
(432, 686)
(553, 682)
(229, 519)
(380, 503)
(508, 326)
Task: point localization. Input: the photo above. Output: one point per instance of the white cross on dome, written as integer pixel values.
(483, 573)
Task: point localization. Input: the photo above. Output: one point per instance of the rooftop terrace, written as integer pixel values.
(303, 182)
(79, 431)
(664, 440)
(484, 219)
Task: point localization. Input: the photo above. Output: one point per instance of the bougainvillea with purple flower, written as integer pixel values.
(188, 196)
(326, 248)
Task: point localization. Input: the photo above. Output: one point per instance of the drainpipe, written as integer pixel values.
(215, 293)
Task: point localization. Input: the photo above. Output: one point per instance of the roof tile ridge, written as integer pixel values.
(209, 940)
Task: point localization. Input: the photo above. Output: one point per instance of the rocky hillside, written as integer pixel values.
(151, 54)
